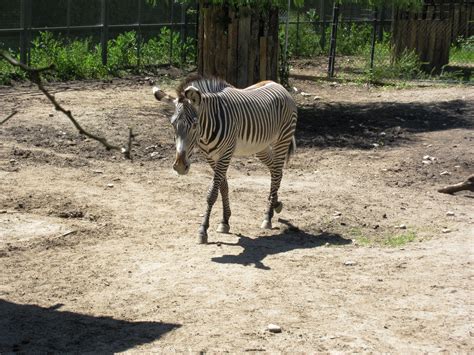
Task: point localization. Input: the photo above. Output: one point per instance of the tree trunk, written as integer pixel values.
(239, 45)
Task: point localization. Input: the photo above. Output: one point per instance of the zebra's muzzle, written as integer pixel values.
(181, 165)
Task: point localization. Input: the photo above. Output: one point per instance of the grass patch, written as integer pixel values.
(400, 240)
(384, 239)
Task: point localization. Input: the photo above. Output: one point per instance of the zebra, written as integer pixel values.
(223, 122)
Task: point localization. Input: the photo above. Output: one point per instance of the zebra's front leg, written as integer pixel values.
(224, 226)
(219, 176)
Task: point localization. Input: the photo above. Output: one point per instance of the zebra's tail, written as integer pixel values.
(291, 151)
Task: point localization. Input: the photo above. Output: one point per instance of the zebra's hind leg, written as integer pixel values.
(274, 159)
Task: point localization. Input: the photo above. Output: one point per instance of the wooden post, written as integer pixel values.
(104, 37)
(243, 48)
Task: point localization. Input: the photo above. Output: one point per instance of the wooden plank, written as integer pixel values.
(253, 48)
(220, 35)
(201, 38)
(211, 37)
(272, 46)
(243, 47)
(232, 41)
(263, 58)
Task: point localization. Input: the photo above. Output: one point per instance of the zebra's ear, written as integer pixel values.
(193, 95)
(160, 95)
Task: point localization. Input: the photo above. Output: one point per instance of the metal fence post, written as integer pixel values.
(171, 31)
(297, 32)
(332, 48)
(374, 37)
(104, 36)
(25, 24)
(68, 18)
(322, 14)
(139, 32)
(184, 31)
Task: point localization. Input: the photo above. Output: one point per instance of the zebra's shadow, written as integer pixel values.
(257, 249)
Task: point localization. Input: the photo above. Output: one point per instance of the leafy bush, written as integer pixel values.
(462, 51)
(81, 59)
(406, 67)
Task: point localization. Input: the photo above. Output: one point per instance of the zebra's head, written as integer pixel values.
(186, 126)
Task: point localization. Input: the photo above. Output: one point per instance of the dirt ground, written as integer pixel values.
(98, 253)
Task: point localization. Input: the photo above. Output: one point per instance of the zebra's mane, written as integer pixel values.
(203, 84)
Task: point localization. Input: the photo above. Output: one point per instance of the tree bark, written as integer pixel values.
(462, 186)
(239, 45)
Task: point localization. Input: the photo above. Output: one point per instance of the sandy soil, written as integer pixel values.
(98, 253)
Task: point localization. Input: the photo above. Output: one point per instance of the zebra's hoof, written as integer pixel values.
(266, 225)
(223, 228)
(202, 236)
(278, 207)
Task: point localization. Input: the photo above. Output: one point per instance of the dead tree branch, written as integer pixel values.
(34, 76)
(8, 117)
(465, 185)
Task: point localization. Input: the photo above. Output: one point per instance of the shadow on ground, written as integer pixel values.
(34, 329)
(361, 126)
(257, 249)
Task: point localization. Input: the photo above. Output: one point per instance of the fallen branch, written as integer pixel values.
(34, 76)
(8, 117)
(462, 186)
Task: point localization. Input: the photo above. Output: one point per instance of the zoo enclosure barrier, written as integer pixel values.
(366, 37)
(102, 20)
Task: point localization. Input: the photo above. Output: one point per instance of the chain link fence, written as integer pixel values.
(114, 34)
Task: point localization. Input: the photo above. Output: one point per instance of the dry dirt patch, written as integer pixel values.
(336, 273)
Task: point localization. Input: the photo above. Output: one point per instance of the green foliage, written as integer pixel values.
(74, 60)
(81, 59)
(406, 67)
(352, 38)
(9, 72)
(462, 51)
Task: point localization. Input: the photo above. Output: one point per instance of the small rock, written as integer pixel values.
(384, 215)
(110, 185)
(445, 173)
(350, 263)
(376, 226)
(450, 213)
(273, 328)
(383, 134)
(97, 171)
(51, 114)
(457, 166)
(304, 93)
(446, 230)
(337, 213)
(295, 89)
(375, 145)
(402, 226)
(317, 98)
